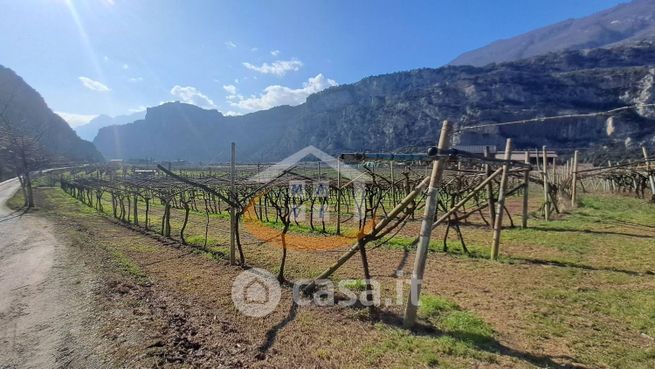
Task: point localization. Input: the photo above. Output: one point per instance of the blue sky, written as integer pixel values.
(89, 57)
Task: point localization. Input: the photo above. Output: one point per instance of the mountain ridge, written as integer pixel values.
(405, 109)
(88, 131)
(621, 24)
(27, 112)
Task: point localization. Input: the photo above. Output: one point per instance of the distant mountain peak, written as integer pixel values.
(89, 130)
(622, 24)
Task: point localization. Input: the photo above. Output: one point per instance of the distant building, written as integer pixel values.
(145, 172)
(534, 155)
(477, 149)
(116, 162)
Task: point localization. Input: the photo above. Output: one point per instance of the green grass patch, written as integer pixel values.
(354, 284)
(433, 306)
(200, 241)
(126, 265)
(446, 316)
(458, 333)
(17, 201)
(406, 350)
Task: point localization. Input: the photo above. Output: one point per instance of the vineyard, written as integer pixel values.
(335, 210)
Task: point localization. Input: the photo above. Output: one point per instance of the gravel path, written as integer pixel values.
(43, 303)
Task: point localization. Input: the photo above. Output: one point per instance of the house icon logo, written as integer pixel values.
(308, 200)
(256, 293)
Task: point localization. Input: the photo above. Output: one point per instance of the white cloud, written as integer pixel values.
(135, 79)
(93, 85)
(281, 95)
(278, 68)
(275, 52)
(230, 89)
(254, 49)
(74, 119)
(191, 95)
(230, 44)
(126, 67)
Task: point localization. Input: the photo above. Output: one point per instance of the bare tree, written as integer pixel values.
(21, 147)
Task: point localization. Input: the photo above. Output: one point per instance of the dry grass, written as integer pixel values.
(576, 292)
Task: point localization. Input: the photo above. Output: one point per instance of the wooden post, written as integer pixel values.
(498, 225)
(135, 211)
(339, 196)
(393, 185)
(553, 170)
(376, 229)
(612, 184)
(490, 190)
(544, 175)
(650, 175)
(526, 188)
(233, 224)
(574, 181)
(438, 167)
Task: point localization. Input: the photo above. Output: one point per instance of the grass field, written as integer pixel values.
(575, 292)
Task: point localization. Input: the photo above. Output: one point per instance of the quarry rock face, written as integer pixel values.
(404, 111)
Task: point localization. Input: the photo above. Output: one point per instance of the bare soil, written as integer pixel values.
(151, 302)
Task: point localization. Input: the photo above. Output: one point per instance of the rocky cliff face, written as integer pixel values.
(404, 110)
(622, 24)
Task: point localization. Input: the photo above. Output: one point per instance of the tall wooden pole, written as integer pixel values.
(526, 190)
(650, 175)
(393, 185)
(554, 171)
(490, 189)
(612, 184)
(233, 224)
(574, 181)
(544, 175)
(376, 229)
(438, 167)
(498, 225)
(338, 196)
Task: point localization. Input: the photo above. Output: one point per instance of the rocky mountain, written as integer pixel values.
(27, 114)
(622, 24)
(404, 110)
(89, 130)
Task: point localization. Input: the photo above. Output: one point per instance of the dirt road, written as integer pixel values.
(43, 303)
